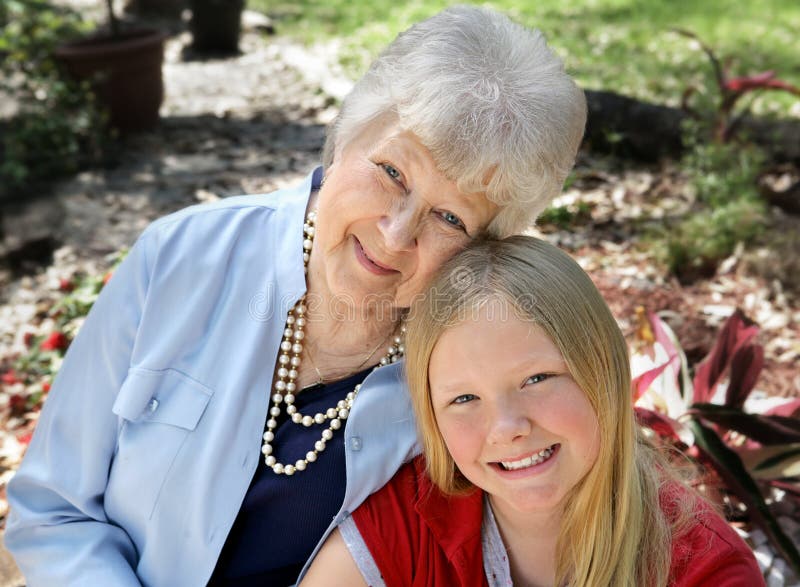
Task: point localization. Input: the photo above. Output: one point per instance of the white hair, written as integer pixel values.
(488, 99)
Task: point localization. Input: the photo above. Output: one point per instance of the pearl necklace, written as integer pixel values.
(286, 378)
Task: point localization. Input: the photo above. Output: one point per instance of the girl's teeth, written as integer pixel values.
(540, 457)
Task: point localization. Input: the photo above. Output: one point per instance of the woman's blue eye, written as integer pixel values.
(453, 220)
(462, 399)
(391, 172)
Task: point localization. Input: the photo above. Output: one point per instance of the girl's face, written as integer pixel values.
(515, 422)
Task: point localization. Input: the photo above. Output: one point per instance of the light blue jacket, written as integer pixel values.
(152, 431)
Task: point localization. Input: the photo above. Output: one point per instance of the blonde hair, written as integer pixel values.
(488, 99)
(613, 530)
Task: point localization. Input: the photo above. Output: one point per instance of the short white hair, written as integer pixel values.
(487, 97)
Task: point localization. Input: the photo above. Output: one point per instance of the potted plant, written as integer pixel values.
(48, 125)
(125, 69)
(216, 25)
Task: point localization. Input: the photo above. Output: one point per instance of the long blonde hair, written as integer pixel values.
(613, 531)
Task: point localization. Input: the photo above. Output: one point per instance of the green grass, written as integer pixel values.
(618, 45)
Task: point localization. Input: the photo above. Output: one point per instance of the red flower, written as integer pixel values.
(25, 438)
(107, 277)
(10, 377)
(56, 341)
(66, 285)
(27, 338)
(46, 386)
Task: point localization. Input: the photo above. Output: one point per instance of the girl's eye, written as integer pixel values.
(462, 399)
(538, 378)
(453, 220)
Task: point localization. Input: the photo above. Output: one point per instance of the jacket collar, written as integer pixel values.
(288, 242)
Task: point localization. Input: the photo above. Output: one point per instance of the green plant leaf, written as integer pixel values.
(772, 462)
(730, 467)
(767, 430)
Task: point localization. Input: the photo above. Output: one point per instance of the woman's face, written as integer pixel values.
(515, 422)
(387, 219)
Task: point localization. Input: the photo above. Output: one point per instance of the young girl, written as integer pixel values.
(535, 472)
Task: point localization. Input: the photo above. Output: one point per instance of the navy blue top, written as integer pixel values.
(283, 517)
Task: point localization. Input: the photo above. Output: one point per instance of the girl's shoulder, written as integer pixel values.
(418, 535)
(705, 549)
(411, 491)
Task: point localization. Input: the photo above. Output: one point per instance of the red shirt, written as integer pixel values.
(420, 537)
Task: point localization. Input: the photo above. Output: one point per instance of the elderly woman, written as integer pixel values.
(220, 411)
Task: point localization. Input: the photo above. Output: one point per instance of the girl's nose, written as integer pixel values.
(508, 423)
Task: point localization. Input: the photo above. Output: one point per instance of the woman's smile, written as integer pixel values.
(369, 262)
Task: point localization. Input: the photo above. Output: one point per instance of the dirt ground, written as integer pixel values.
(256, 122)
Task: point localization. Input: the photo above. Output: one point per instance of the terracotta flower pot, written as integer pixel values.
(125, 71)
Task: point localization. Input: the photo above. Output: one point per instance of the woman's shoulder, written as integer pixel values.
(212, 218)
(212, 215)
(706, 549)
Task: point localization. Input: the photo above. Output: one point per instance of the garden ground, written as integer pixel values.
(256, 122)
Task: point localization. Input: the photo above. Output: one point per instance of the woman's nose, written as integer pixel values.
(399, 228)
(507, 424)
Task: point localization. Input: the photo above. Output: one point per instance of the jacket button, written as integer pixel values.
(152, 405)
(355, 443)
